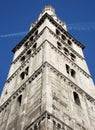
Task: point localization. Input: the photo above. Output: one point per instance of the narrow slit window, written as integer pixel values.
(76, 98)
(22, 75)
(19, 100)
(57, 32)
(67, 69)
(26, 71)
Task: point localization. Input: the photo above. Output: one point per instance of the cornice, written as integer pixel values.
(29, 46)
(38, 23)
(50, 117)
(65, 32)
(25, 62)
(35, 74)
(70, 82)
(37, 51)
(62, 41)
(34, 40)
(22, 87)
(69, 60)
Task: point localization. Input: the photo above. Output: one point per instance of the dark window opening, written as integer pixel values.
(36, 33)
(31, 38)
(58, 125)
(63, 37)
(59, 45)
(35, 127)
(57, 32)
(66, 51)
(67, 69)
(28, 52)
(19, 100)
(73, 73)
(73, 57)
(76, 98)
(6, 93)
(69, 42)
(26, 70)
(22, 58)
(48, 116)
(54, 122)
(22, 75)
(34, 46)
(26, 44)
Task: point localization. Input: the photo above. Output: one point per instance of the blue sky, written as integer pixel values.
(17, 15)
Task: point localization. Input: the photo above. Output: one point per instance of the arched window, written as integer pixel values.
(22, 58)
(66, 51)
(76, 98)
(34, 46)
(73, 73)
(73, 57)
(57, 32)
(67, 69)
(31, 38)
(69, 42)
(28, 52)
(26, 70)
(59, 126)
(36, 33)
(63, 37)
(35, 127)
(59, 45)
(22, 75)
(19, 100)
(26, 44)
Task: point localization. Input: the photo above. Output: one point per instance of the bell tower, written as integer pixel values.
(49, 86)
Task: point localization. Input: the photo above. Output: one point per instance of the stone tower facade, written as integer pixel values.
(49, 86)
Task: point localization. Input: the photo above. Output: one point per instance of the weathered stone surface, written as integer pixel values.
(49, 86)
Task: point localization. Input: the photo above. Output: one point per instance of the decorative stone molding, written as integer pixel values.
(38, 49)
(49, 117)
(29, 46)
(25, 62)
(38, 23)
(69, 60)
(35, 74)
(71, 84)
(66, 45)
(22, 87)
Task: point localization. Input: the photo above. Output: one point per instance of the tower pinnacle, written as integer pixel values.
(50, 10)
